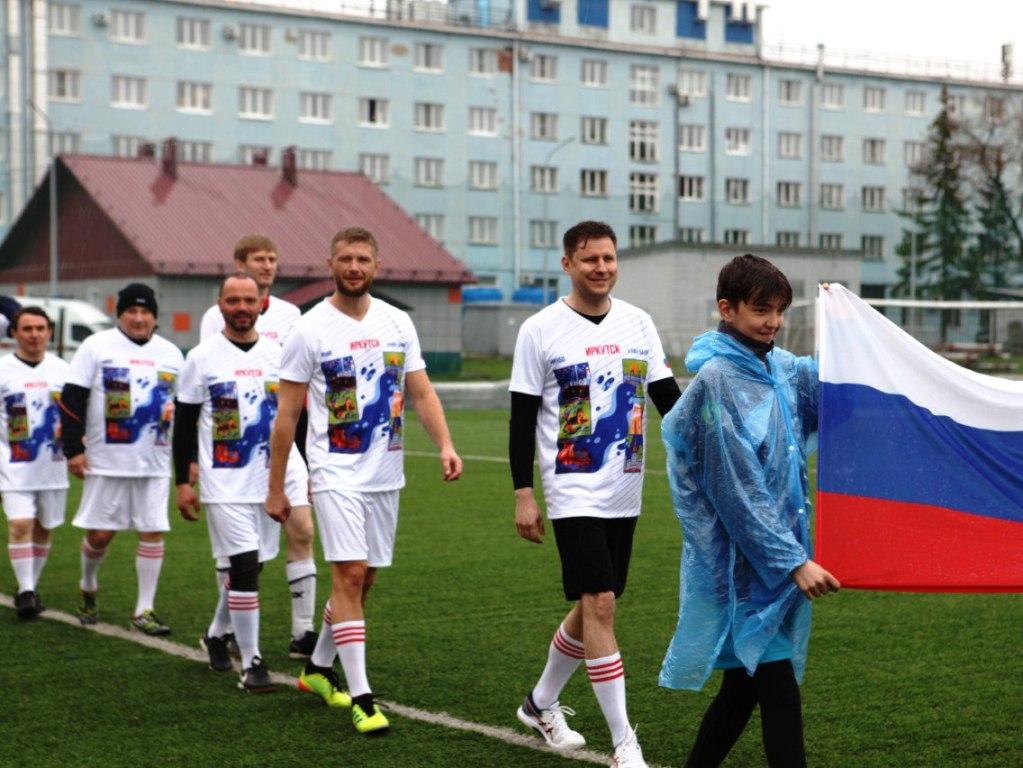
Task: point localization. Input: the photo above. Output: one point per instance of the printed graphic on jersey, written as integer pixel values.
(17, 417)
(574, 417)
(349, 427)
(394, 365)
(25, 443)
(634, 375)
(233, 446)
(124, 426)
(342, 400)
(166, 385)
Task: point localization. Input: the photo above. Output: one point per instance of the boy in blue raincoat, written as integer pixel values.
(737, 443)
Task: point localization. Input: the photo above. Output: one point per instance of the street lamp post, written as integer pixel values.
(53, 200)
(547, 242)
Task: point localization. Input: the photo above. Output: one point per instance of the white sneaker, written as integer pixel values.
(628, 754)
(551, 724)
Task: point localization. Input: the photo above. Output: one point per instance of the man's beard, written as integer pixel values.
(352, 293)
(233, 324)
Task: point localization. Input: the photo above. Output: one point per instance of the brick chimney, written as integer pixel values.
(169, 162)
(289, 166)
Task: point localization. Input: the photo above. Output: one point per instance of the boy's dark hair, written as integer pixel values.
(753, 280)
(36, 311)
(583, 232)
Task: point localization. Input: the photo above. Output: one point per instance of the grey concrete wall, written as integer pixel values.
(491, 329)
(438, 320)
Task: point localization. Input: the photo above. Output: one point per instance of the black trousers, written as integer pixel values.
(773, 686)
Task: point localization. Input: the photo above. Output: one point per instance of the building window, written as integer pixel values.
(690, 188)
(65, 85)
(692, 138)
(482, 121)
(692, 83)
(314, 107)
(429, 117)
(254, 154)
(315, 159)
(873, 99)
(195, 151)
(644, 86)
(372, 52)
(544, 68)
(193, 33)
(738, 87)
(957, 104)
(594, 130)
(643, 19)
(376, 167)
(691, 234)
(255, 103)
(644, 141)
(544, 126)
(429, 171)
(64, 142)
(127, 92)
(994, 109)
(433, 224)
(789, 194)
(736, 236)
(832, 149)
(873, 247)
(643, 192)
(832, 197)
(429, 57)
(788, 239)
(482, 230)
(314, 45)
(873, 151)
(790, 92)
(873, 199)
(483, 61)
(737, 191)
(913, 152)
(482, 175)
(593, 183)
(916, 103)
(912, 199)
(128, 26)
(543, 178)
(830, 241)
(127, 146)
(737, 141)
(790, 145)
(594, 73)
(195, 97)
(642, 234)
(543, 233)
(832, 96)
(373, 112)
(64, 19)
(254, 39)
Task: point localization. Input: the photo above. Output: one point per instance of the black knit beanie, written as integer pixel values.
(136, 295)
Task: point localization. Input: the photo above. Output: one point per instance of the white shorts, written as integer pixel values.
(296, 480)
(237, 528)
(357, 526)
(124, 503)
(46, 507)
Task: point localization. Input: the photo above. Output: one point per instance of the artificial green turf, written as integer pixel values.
(461, 624)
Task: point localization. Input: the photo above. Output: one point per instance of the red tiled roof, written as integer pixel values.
(188, 225)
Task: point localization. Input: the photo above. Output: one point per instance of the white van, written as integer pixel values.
(73, 322)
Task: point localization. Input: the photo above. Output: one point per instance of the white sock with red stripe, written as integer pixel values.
(325, 650)
(40, 552)
(302, 584)
(244, 607)
(221, 624)
(563, 658)
(350, 639)
(607, 676)
(148, 562)
(91, 561)
(21, 562)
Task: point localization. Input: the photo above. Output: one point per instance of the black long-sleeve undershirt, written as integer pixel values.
(74, 400)
(185, 445)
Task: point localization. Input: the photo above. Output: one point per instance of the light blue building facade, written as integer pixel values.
(496, 126)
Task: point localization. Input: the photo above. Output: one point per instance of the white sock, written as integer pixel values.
(350, 639)
(221, 624)
(563, 658)
(244, 607)
(302, 584)
(21, 562)
(91, 561)
(40, 552)
(607, 676)
(148, 562)
(325, 650)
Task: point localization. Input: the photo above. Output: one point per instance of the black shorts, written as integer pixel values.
(595, 553)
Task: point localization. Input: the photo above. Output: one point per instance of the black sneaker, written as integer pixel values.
(232, 646)
(25, 604)
(216, 647)
(256, 679)
(39, 605)
(302, 647)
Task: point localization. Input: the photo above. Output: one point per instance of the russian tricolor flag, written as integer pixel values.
(920, 471)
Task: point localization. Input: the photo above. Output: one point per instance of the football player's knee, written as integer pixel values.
(20, 529)
(245, 572)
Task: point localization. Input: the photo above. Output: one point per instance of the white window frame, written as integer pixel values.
(593, 73)
(127, 26)
(913, 153)
(692, 137)
(374, 112)
(644, 85)
(483, 230)
(247, 153)
(593, 130)
(482, 121)
(644, 192)
(874, 151)
(192, 33)
(692, 83)
(738, 141)
(832, 197)
(916, 103)
(644, 141)
(483, 62)
(432, 224)
(543, 126)
(315, 45)
(790, 93)
(543, 179)
(543, 233)
(428, 116)
(315, 159)
(64, 85)
(128, 92)
(315, 107)
(255, 103)
(872, 247)
(787, 239)
(790, 145)
(832, 148)
(373, 52)
(830, 241)
(429, 172)
(254, 40)
(872, 199)
(543, 68)
(593, 182)
(195, 151)
(833, 96)
(641, 235)
(994, 108)
(194, 98)
(429, 58)
(912, 199)
(64, 142)
(738, 87)
(643, 19)
(736, 236)
(376, 166)
(789, 194)
(873, 98)
(126, 146)
(691, 189)
(692, 234)
(483, 175)
(737, 191)
(64, 19)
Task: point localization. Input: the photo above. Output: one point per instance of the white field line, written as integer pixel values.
(497, 459)
(442, 719)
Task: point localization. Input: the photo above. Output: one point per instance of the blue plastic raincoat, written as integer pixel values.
(737, 442)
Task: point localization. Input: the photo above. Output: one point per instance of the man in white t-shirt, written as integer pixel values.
(581, 374)
(355, 356)
(256, 256)
(116, 419)
(33, 470)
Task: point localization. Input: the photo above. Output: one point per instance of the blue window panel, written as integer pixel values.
(545, 11)
(593, 13)
(688, 24)
(737, 31)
